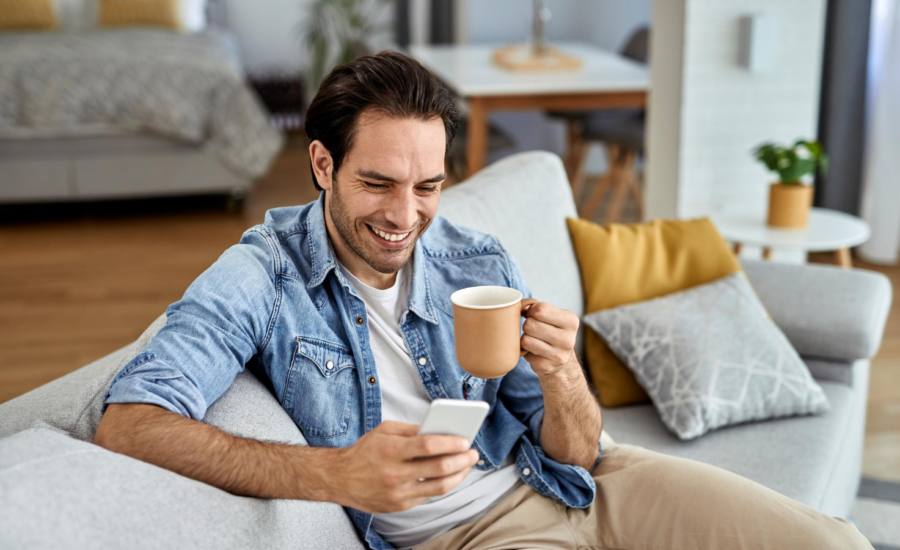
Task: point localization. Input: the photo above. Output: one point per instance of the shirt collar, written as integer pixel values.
(322, 261)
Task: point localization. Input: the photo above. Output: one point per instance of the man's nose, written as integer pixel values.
(402, 210)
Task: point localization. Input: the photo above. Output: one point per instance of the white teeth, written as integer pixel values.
(388, 236)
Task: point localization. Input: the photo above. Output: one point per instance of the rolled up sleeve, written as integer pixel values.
(220, 323)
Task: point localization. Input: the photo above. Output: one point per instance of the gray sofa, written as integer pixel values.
(58, 489)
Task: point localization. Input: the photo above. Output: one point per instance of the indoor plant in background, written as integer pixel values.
(791, 197)
(339, 31)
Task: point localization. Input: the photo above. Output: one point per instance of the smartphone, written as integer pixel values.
(455, 417)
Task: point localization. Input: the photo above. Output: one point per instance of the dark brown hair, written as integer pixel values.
(387, 81)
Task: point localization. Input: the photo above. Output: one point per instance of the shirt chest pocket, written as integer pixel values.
(322, 390)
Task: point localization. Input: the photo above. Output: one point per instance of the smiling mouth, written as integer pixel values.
(389, 237)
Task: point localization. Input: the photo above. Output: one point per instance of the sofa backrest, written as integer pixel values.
(524, 200)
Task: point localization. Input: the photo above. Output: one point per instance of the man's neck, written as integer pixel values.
(363, 271)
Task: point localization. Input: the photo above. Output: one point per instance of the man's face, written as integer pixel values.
(385, 194)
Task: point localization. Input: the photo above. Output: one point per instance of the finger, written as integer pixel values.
(527, 309)
(441, 485)
(443, 466)
(392, 427)
(556, 337)
(434, 445)
(542, 349)
(552, 315)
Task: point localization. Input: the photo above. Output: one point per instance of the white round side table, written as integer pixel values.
(827, 230)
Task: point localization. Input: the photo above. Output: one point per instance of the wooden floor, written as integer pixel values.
(80, 281)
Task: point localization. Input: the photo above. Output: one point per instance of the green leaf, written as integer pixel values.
(768, 155)
(796, 170)
(813, 147)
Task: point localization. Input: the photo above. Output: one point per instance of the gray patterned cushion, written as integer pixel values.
(710, 357)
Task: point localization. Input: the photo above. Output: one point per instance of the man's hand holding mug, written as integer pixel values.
(487, 331)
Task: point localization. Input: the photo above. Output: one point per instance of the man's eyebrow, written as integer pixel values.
(378, 176)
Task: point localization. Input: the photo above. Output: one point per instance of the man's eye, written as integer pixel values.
(376, 185)
(428, 189)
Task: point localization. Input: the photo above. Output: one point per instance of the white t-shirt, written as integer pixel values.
(403, 398)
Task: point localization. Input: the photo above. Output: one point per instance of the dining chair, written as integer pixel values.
(622, 132)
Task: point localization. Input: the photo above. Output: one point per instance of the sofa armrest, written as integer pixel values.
(59, 492)
(824, 311)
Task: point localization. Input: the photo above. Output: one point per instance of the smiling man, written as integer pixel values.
(343, 307)
(388, 192)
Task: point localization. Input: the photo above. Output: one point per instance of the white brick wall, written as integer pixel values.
(724, 110)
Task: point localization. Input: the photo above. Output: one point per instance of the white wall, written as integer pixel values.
(703, 164)
(267, 31)
(663, 123)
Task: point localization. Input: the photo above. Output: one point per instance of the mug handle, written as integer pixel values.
(526, 303)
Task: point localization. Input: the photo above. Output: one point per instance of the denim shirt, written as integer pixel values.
(276, 303)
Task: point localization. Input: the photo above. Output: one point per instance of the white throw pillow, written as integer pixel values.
(76, 15)
(192, 14)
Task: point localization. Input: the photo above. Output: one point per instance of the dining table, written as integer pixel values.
(604, 80)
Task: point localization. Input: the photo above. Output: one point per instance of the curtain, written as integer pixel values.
(842, 109)
(881, 171)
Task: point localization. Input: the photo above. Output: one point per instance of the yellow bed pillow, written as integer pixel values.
(127, 13)
(27, 14)
(622, 264)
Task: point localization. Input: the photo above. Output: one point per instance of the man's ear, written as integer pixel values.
(322, 164)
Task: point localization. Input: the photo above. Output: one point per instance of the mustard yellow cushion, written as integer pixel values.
(27, 14)
(126, 13)
(622, 264)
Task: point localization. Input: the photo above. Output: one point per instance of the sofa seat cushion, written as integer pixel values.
(56, 488)
(795, 456)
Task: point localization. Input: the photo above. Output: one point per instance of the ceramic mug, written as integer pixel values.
(487, 328)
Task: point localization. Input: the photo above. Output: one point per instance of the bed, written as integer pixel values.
(126, 113)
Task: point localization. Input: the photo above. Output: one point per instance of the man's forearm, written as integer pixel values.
(202, 452)
(572, 418)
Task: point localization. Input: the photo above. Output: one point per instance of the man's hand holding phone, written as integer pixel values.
(380, 472)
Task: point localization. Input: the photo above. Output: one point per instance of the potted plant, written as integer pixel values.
(791, 197)
(338, 31)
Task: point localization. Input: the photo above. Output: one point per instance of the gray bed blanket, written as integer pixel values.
(184, 86)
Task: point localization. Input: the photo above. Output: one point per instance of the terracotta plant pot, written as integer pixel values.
(789, 205)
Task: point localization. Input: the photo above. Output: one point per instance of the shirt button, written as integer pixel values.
(360, 320)
(422, 361)
(329, 365)
(526, 472)
(481, 462)
(372, 380)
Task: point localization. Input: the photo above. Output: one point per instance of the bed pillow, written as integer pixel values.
(626, 263)
(127, 13)
(710, 357)
(28, 14)
(182, 15)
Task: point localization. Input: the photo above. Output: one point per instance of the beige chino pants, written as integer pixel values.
(647, 500)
